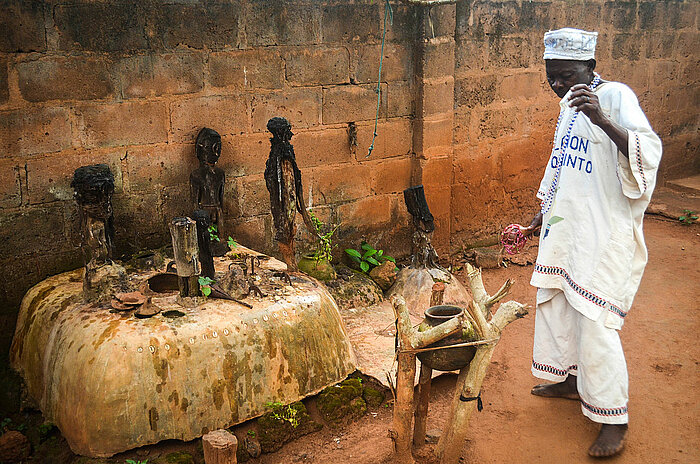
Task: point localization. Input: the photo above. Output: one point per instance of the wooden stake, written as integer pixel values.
(219, 447)
(421, 415)
(183, 232)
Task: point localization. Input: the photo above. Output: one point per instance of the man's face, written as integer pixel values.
(564, 74)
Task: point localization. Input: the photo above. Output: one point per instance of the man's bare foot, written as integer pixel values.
(566, 389)
(610, 441)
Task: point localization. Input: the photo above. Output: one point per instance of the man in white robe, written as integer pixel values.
(596, 187)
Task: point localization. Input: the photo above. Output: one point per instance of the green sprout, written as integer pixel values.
(213, 232)
(205, 285)
(369, 258)
(131, 461)
(251, 433)
(689, 217)
(231, 242)
(324, 250)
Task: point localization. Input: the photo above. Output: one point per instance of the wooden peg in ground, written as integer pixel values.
(220, 447)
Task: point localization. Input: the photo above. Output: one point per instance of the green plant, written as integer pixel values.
(5, 424)
(251, 433)
(324, 249)
(213, 233)
(231, 242)
(689, 217)
(205, 285)
(283, 413)
(369, 258)
(131, 461)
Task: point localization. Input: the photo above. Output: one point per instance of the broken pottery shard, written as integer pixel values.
(147, 310)
(131, 298)
(119, 306)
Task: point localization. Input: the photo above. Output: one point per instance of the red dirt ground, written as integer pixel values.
(660, 341)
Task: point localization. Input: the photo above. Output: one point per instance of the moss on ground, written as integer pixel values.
(273, 431)
(342, 402)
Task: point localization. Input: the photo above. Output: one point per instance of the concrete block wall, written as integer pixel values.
(465, 110)
(505, 111)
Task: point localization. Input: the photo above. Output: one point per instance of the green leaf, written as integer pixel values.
(353, 253)
(373, 261)
(204, 280)
(364, 266)
(366, 246)
(369, 253)
(380, 253)
(231, 242)
(389, 258)
(682, 218)
(206, 290)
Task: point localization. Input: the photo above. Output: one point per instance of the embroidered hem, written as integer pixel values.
(586, 294)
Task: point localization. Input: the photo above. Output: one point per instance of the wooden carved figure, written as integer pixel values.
(94, 186)
(207, 183)
(283, 180)
(424, 255)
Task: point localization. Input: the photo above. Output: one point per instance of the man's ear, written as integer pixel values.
(591, 65)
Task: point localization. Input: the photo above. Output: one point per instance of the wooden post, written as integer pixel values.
(183, 232)
(405, 376)
(219, 447)
(421, 415)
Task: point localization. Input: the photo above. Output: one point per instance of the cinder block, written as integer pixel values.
(253, 198)
(436, 171)
(65, 78)
(167, 74)
(10, 195)
(441, 21)
(476, 91)
(394, 139)
(31, 230)
(22, 26)
(399, 98)
(4, 84)
(623, 15)
(211, 25)
(49, 177)
(538, 16)
(118, 124)
(139, 222)
(390, 175)
(37, 130)
(372, 211)
(301, 107)
(247, 69)
(626, 47)
(333, 184)
(470, 55)
(438, 59)
(510, 52)
(325, 147)
(397, 64)
(435, 137)
(102, 27)
(475, 165)
(527, 85)
(154, 166)
(255, 232)
(438, 96)
(659, 45)
(227, 115)
(350, 23)
(438, 198)
(318, 66)
(406, 24)
(346, 103)
(244, 155)
(685, 45)
(489, 18)
(495, 123)
(282, 23)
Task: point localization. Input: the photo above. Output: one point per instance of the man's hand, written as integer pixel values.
(584, 100)
(534, 226)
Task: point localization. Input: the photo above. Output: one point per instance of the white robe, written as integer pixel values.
(591, 244)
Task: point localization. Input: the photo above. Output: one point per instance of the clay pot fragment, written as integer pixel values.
(148, 309)
(131, 298)
(119, 306)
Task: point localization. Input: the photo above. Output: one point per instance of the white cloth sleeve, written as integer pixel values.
(637, 173)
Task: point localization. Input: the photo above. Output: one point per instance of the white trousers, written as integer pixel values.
(567, 342)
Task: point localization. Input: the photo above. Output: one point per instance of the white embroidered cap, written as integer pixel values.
(570, 44)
